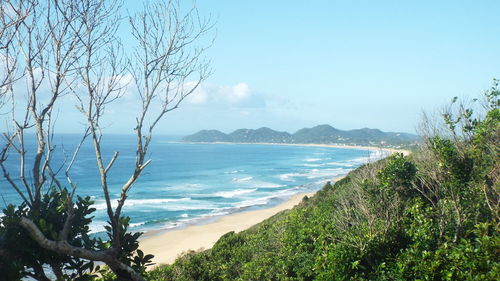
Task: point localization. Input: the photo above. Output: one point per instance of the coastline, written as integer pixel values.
(347, 146)
(168, 245)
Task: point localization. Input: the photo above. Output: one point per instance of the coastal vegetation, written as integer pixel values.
(321, 134)
(432, 215)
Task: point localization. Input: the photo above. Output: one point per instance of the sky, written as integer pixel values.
(351, 64)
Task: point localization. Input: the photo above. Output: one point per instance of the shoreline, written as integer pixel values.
(167, 245)
(347, 146)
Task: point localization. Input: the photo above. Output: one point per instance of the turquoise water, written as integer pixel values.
(193, 183)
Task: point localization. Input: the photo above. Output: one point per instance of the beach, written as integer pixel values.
(373, 148)
(167, 246)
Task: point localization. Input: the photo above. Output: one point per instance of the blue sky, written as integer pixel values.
(350, 64)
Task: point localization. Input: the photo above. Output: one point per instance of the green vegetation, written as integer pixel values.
(28, 258)
(325, 134)
(432, 215)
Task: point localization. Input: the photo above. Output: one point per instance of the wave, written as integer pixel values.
(312, 159)
(323, 173)
(137, 224)
(268, 185)
(188, 186)
(171, 225)
(233, 172)
(242, 179)
(193, 205)
(166, 225)
(341, 164)
(313, 165)
(136, 202)
(253, 202)
(266, 199)
(288, 176)
(97, 226)
(314, 174)
(216, 211)
(234, 193)
(238, 206)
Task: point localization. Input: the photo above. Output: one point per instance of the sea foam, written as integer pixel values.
(313, 159)
(242, 179)
(234, 193)
(140, 202)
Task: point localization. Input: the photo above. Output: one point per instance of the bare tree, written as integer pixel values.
(71, 47)
(12, 16)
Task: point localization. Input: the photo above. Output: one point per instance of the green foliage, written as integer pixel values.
(457, 165)
(19, 260)
(468, 259)
(399, 171)
(27, 258)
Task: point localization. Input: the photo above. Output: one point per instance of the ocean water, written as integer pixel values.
(195, 183)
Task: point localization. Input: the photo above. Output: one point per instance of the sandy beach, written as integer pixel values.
(167, 246)
(375, 148)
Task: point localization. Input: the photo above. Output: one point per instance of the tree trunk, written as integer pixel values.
(64, 248)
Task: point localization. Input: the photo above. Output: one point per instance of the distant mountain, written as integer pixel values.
(207, 136)
(263, 134)
(324, 134)
(318, 134)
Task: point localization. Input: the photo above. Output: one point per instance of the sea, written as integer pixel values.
(193, 183)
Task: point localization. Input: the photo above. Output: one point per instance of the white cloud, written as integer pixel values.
(127, 83)
(199, 96)
(239, 95)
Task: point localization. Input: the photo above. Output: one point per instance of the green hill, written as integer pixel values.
(260, 135)
(208, 136)
(318, 134)
(324, 134)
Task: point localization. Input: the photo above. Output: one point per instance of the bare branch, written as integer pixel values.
(166, 58)
(64, 46)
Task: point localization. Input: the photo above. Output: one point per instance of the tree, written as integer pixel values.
(11, 17)
(60, 48)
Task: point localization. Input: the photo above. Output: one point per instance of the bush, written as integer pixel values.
(28, 258)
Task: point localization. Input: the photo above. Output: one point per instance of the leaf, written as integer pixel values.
(140, 254)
